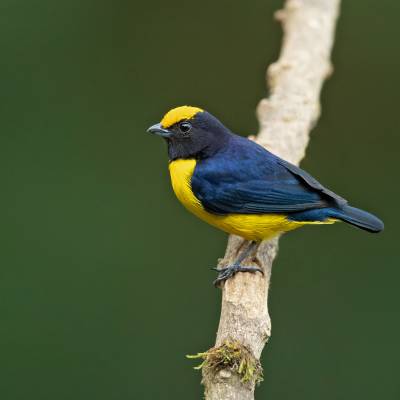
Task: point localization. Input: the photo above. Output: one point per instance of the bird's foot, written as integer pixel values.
(228, 272)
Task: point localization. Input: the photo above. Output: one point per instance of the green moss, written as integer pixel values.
(231, 356)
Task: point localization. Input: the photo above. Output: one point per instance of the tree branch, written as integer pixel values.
(231, 368)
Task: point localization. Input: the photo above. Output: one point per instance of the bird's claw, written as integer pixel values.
(228, 272)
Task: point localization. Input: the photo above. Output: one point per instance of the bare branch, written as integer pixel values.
(286, 119)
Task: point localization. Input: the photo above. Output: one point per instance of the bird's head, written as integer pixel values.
(191, 133)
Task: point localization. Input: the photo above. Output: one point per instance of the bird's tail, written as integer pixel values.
(359, 218)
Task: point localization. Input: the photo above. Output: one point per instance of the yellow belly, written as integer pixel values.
(250, 226)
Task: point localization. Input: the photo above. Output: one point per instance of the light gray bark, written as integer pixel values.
(286, 119)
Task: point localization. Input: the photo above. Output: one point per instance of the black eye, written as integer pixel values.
(185, 127)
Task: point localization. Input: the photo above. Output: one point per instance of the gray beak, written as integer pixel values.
(157, 129)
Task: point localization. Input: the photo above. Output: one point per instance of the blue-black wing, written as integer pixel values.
(244, 178)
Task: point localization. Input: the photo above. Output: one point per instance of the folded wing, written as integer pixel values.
(257, 182)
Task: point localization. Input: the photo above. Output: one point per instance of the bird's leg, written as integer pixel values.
(228, 272)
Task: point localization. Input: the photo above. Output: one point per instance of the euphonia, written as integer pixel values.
(241, 188)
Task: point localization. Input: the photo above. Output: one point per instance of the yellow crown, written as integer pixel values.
(178, 114)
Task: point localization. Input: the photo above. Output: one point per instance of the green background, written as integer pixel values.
(104, 278)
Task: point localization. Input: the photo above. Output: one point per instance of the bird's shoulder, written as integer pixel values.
(239, 159)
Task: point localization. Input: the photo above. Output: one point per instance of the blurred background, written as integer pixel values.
(105, 280)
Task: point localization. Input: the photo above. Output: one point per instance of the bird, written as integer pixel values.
(238, 186)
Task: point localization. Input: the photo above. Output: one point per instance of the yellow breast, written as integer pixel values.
(181, 172)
